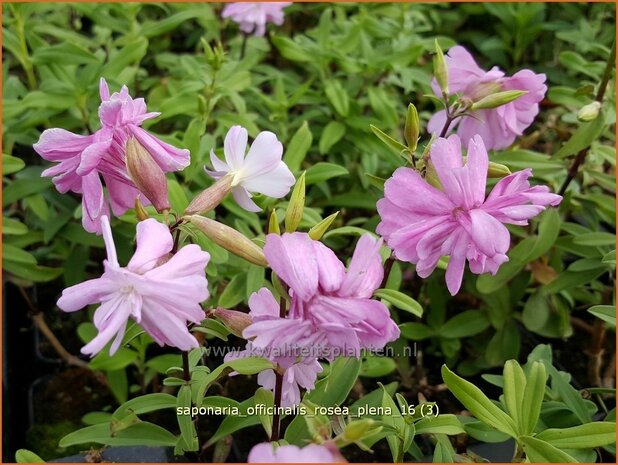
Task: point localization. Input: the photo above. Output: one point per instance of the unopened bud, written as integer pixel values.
(589, 112)
(412, 128)
(319, 229)
(357, 430)
(440, 70)
(147, 176)
(497, 100)
(484, 89)
(294, 213)
(497, 170)
(230, 239)
(273, 223)
(234, 320)
(211, 197)
(140, 212)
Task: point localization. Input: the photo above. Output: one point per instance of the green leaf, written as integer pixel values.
(13, 227)
(590, 435)
(540, 451)
(533, 395)
(131, 54)
(396, 147)
(465, 324)
(32, 273)
(298, 147)
(478, 404)
(140, 434)
(440, 424)
(400, 300)
(11, 165)
(595, 239)
(322, 171)
(338, 97)
(291, 50)
(331, 390)
(331, 134)
(514, 386)
(185, 422)
(26, 456)
(66, 53)
(235, 291)
(21, 188)
(266, 398)
(582, 137)
(394, 420)
(15, 254)
(606, 313)
(416, 331)
(145, 404)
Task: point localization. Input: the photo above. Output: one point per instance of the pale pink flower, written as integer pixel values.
(261, 170)
(422, 223)
(159, 291)
(253, 16)
(332, 311)
(84, 161)
(313, 453)
(498, 126)
(299, 371)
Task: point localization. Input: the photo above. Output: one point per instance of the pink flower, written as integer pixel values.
(298, 371)
(332, 311)
(313, 453)
(252, 17)
(422, 223)
(160, 292)
(261, 170)
(84, 160)
(498, 126)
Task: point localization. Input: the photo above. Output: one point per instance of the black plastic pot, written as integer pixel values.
(126, 454)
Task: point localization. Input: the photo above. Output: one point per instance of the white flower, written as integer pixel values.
(261, 170)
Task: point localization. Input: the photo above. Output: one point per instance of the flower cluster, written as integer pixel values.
(498, 127)
(160, 291)
(423, 223)
(84, 160)
(331, 311)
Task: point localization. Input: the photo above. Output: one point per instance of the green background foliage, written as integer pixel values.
(319, 82)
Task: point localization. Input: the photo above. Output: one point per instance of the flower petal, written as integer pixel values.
(153, 242)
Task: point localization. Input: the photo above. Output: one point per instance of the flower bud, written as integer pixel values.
(440, 70)
(497, 100)
(317, 231)
(147, 176)
(234, 320)
(211, 197)
(484, 89)
(412, 128)
(294, 213)
(230, 239)
(273, 223)
(589, 112)
(497, 170)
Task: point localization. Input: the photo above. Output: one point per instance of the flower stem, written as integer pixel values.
(581, 156)
(278, 387)
(185, 366)
(388, 266)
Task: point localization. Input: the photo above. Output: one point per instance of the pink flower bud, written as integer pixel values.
(235, 321)
(230, 239)
(146, 174)
(210, 198)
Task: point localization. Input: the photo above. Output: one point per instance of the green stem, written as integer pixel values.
(581, 156)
